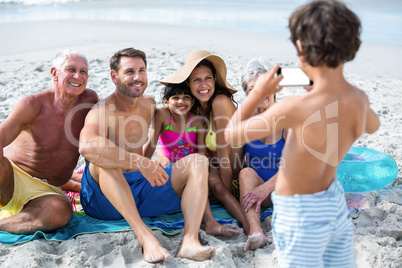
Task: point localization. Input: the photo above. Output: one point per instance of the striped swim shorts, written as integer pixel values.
(313, 230)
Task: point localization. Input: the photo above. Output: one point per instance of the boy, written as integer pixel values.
(310, 224)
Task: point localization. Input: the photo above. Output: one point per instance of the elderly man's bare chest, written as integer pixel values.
(54, 132)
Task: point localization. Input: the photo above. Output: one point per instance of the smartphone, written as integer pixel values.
(293, 77)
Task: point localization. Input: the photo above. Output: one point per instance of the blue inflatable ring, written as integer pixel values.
(364, 170)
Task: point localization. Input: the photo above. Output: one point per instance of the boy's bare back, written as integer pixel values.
(323, 124)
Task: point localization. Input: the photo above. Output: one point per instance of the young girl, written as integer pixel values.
(181, 133)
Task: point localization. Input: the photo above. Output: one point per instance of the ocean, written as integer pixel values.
(382, 21)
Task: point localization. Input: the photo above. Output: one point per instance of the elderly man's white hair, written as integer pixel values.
(62, 56)
(254, 67)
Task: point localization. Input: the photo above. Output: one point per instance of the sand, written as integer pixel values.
(26, 52)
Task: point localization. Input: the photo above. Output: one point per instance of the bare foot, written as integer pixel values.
(154, 252)
(256, 241)
(195, 251)
(218, 229)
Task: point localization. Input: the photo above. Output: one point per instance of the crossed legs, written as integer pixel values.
(45, 213)
(224, 195)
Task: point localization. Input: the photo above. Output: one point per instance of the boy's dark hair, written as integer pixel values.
(328, 31)
(176, 89)
(127, 52)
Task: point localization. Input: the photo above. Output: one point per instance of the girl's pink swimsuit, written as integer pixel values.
(178, 145)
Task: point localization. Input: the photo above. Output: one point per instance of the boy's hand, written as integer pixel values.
(267, 84)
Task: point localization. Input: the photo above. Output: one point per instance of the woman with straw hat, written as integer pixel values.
(205, 74)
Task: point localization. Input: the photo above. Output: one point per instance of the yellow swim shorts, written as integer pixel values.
(26, 188)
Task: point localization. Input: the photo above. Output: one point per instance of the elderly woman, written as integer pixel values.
(257, 180)
(205, 74)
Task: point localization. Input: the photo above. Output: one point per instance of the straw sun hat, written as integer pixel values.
(192, 60)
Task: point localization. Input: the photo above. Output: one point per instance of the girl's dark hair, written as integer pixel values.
(176, 89)
(328, 31)
(219, 89)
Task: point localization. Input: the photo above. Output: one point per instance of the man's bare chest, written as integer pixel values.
(129, 133)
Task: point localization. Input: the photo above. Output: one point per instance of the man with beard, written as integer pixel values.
(42, 134)
(119, 182)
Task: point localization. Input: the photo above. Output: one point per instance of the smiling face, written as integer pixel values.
(72, 76)
(131, 78)
(179, 104)
(202, 83)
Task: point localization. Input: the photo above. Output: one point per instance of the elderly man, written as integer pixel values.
(42, 133)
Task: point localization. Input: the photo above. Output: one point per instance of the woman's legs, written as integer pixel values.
(231, 204)
(248, 180)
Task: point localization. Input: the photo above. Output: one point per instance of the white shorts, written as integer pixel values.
(313, 230)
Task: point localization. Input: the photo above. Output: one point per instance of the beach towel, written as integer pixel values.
(80, 224)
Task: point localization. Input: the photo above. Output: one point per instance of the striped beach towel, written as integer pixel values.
(81, 223)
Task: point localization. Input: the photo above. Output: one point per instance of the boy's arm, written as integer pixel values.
(243, 120)
(156, 129)
(372, 120)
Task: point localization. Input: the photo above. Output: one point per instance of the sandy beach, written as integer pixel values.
(26, 53)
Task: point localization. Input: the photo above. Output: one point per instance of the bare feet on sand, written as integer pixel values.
(218, 229)
(154, 252)
(255, 241)
(193, 250)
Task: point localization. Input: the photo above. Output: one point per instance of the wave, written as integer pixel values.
(381, 21)
(38, 2)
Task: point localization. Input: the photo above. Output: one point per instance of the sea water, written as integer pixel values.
(381, 20)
